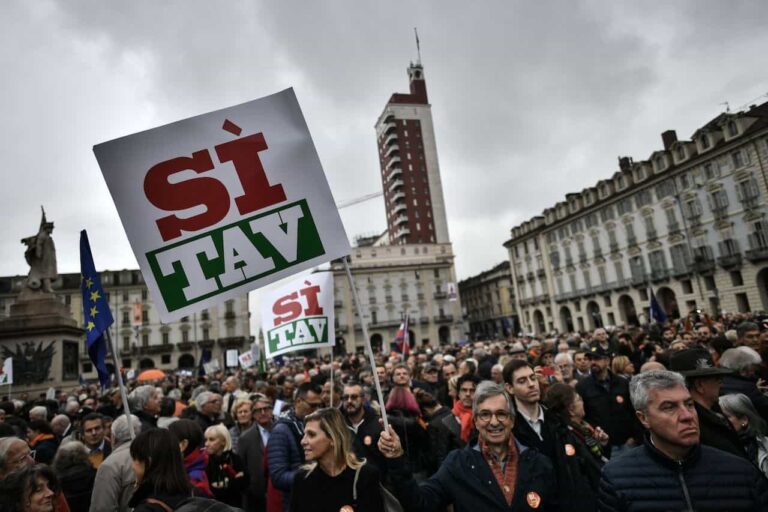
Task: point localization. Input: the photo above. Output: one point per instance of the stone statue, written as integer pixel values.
(41, 257)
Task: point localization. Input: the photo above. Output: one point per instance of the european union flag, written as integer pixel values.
(96, 314)
(657, 313)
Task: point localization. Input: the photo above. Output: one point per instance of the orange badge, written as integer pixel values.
(367, 441)
(570, 450)
(619, 399)
(346, 508)
(533, 499)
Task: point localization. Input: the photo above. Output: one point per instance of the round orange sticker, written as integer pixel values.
(367, 441)
(346, 508)
(570, 450)
(619, 399)
(533, 499)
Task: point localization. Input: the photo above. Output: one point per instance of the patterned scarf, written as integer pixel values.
(464, 414)
(508, 477)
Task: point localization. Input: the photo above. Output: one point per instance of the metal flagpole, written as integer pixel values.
(333, 384)
(120, 382)
(367, 341)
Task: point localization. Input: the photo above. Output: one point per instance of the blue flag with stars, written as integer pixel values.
(96, 314)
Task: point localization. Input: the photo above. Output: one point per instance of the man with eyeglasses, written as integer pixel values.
(364, 424)
(251, 447)
(497, 474)
(285, 452)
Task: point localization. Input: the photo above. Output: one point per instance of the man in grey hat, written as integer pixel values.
(704, 381)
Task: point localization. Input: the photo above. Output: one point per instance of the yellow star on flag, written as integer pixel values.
(88, 283)
(94, 311)
(91, 326)
(95, 296)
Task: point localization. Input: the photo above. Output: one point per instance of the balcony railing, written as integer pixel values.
(397, 171)
(399, 207)
(394, 148)
(730, 261)
(659, 274)
(720, 212)
(758, 247)
(232, 342)
(673, 228)
(402, 232)
(440, 295)
(651, 235)
(401, 219)
(395, 160)
(631, 241)
(395, 184)
(703, 265)
(614, 247)
(443, 319)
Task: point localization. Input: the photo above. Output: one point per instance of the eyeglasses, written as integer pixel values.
(350, 397)
(501, 416)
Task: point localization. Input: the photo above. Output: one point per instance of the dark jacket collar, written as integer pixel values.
(690, 460)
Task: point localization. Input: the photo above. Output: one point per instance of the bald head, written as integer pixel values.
(651, 365)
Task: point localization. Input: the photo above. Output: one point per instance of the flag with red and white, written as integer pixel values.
(401, 338)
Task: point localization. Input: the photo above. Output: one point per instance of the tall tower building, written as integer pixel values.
(410, 173)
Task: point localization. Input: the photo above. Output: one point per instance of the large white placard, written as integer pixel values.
(299, 315)
(223, 203)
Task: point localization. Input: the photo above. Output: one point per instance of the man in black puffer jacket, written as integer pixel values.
(673, 471)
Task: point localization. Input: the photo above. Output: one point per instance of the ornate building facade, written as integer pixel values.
(142, 341)
(489, 303)
(689, 223)
(393, 280)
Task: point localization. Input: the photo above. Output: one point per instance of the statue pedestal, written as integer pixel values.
(44, 341)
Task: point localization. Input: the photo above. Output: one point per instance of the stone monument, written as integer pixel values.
(40, 334)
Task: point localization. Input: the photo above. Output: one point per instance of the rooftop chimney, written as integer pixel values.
(669, 137)
(625, 163)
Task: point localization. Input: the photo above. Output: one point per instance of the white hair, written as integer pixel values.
(563, 358)
(641, 385)
(38, 412)
(120, 431)
(140, 396)
(739, 358)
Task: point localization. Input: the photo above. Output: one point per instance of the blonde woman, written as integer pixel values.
(242, 413)
(623, 367)
(225, 470)
(335, 479)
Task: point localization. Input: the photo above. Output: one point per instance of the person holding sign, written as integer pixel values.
(497, 474)
(335, 479)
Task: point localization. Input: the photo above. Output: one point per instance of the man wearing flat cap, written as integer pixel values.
(704, 380)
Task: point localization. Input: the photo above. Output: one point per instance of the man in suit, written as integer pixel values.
(250, 448)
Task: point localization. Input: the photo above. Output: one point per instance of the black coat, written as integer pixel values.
(466, 481)
(610, 409)
(576, 470)
(250, 448)
(717, 432)
(77, 484)
(365, 441)
(227, 477)
(440, 438)
(711, 480)
(747, 386)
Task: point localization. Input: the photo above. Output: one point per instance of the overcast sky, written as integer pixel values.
(530, 100)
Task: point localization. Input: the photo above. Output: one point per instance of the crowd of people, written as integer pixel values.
(666, 417)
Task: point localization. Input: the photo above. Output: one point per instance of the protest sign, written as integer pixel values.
(246, 360)
(223, 203)
(232, 358)
(299, 315)
(6, 371)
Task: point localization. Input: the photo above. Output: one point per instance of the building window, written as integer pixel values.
(144, 294)
(657, 260)
(607, 213)
(144, 316)
(742, 303)
(624, 206)
(687, 285)
(166, 338)
(681, 153)
(704, 140)
(748, 192)
(711, 170)
(126, 318)
(125, 296)
(739, 159)
(680, 259)
(736, 278)
(185, 336)
(733, 129)
(126, 342)
(206, 334)
(145, 340)
(165, 359)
